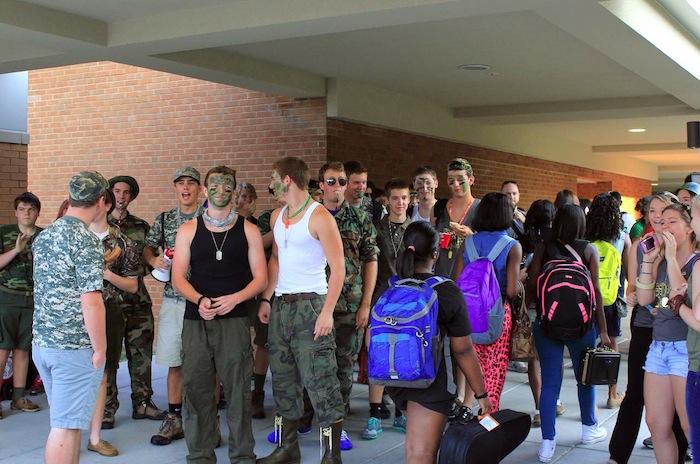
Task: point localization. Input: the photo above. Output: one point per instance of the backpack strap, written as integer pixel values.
(469, 246)
(500, 245)
(434, 281)
(162, 231)
(574, 253)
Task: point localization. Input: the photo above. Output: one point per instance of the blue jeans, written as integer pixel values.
(692, 404)
(551, 353)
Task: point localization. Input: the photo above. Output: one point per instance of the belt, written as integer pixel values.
(10, 291)
(292, 297)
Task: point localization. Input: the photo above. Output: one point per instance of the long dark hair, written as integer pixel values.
(569, 224)
(420, 241)
(604, 221)
(538, 224)
(494, 213)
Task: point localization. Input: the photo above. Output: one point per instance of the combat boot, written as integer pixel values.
(330, 443)
(287, 451)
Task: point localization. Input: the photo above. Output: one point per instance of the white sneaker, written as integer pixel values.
(546, 452)
(592, 434)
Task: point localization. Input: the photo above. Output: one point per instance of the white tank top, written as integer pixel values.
(302, 262)
(416, 217)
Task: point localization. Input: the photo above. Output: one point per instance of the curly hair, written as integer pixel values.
(604, 221)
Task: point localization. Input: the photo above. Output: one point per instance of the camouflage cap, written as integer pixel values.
(87, 186)
(186, 172)
(133, 185)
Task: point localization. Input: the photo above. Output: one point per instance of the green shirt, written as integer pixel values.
(165, 227)
(18, 274)
(135, 229)
(128, 264)
(68, 262)
(359, 246)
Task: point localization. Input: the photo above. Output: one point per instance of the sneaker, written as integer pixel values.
(689, 455)
(373, 430)
(148, 410)
(107, 420)
(614, 403)
(592, 434)
(648, 443)
(546, 452)
(170, 429)
(37, 387)
(517, 366)
(399, 424)
(24, 404)
(104, 448)
(536, 421)
(345, 443)
(561, 409)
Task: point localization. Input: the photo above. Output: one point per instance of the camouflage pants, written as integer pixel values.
(219, 346)
(137, 330)
(348, 342)
(297, 361)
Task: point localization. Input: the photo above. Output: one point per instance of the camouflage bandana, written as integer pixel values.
(87, 186)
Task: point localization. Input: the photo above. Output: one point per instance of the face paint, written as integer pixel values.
(220, 189)
(277, 187)
(465, 186)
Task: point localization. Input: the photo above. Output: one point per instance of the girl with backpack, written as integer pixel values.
(629, 418)
(494, 216)
(686, 303)
(427, 408)
(604, 231)
(566, 244)
(665, 268)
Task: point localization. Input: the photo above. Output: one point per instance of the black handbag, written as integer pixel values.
(600, 366)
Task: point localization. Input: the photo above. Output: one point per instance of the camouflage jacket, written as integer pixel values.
(18, 274)
(359, 246)
(172, 220)
(68, 262)
(136, 229)
(264, 228)
(127, 265)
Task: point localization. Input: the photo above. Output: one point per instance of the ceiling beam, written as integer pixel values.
(642, 147)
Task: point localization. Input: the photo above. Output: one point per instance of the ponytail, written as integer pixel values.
(420, 241)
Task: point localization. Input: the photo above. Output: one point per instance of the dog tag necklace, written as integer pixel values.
(219, 253)
(286, 220)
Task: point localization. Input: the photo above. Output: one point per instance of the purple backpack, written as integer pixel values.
(479, 285)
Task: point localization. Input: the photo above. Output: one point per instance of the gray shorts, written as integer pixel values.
(169, 343)
(71, 384)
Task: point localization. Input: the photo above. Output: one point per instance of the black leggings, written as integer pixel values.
(629, 417)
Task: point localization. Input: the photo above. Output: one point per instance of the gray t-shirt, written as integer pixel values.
(446, 258)
(667, 326)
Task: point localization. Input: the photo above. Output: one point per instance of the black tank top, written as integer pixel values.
(212, 277)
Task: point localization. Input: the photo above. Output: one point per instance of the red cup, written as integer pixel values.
(445, 239)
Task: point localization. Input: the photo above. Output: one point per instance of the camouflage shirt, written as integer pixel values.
(173, 220)
(264, 228)
(68, 262)
(136, 229)
(127, 265)
(17, 275)
(359, 246)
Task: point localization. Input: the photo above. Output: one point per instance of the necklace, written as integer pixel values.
(394, 229)
(219, 222)
(219, 254)
(292, 216)
(466, 210)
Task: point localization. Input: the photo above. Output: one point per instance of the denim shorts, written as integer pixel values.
(71, 384)
(667, 358)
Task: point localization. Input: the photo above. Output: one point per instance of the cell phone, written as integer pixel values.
(648, 244)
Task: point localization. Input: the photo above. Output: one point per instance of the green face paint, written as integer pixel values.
(220, 189)
(465, 186)
(277, 186)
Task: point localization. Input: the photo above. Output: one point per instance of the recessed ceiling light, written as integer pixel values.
(639, 129)
(473, 67)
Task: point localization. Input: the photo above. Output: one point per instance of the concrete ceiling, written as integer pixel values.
(567, 78)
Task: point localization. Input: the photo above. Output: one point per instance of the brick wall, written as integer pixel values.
(120, 119)
(390, 153)
(13, 172)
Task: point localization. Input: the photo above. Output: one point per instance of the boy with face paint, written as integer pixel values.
(301, 339)
(425, 183)
(172, 309)
(360, 249)
(454, 216)
(218, 267)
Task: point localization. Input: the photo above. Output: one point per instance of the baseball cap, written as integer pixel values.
(87, 186)
(692, 187)
(186, 172)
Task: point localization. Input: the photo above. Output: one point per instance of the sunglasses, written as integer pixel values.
(342, 181)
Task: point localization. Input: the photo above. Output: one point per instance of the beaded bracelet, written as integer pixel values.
(643, 286)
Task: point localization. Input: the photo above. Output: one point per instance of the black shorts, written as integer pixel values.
(612, 321)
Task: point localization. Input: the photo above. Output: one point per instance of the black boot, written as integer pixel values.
(257, 405)
(287, 451)
(330, 441)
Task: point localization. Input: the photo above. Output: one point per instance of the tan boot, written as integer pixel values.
(170, 429)
(287, 451)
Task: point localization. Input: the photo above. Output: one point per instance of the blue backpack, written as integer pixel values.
(404, 339)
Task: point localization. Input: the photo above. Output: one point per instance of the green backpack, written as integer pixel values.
(608, 271)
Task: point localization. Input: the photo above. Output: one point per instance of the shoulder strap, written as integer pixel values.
(574, 253)
(687, 269)
(162, 230)
(472, 254)
(434, 281)
(500, 245)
